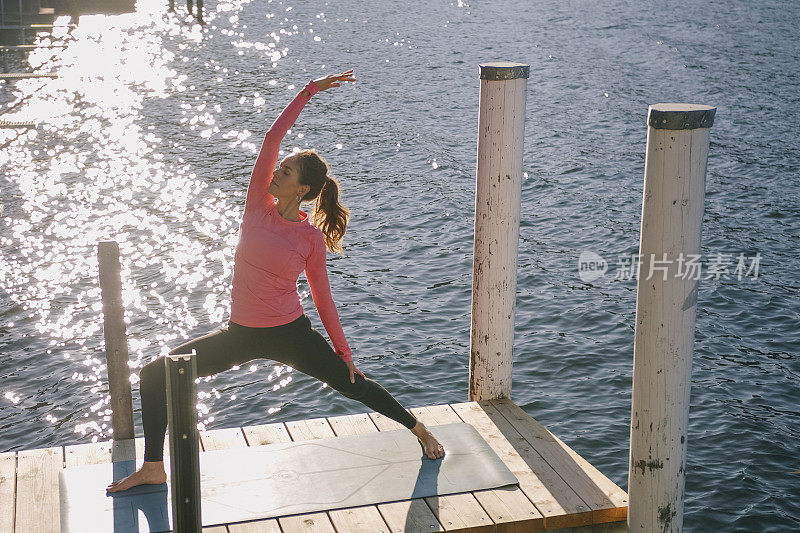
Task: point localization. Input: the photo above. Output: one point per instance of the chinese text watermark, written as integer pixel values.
(592, 266)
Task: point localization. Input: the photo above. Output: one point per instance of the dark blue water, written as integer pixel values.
(152, 145)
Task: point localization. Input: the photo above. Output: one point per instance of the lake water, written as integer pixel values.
(149, 134)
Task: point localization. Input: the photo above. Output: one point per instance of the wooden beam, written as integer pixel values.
(21, 47)
(10, 76)
(7, 124)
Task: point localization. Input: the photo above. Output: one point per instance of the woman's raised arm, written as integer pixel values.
(257, 192)
(260, 178)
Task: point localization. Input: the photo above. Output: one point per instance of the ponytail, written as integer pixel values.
(329, 215)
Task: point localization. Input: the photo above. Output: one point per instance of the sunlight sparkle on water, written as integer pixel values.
(94, 170)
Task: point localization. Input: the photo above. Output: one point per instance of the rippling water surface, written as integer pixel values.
(149, 134)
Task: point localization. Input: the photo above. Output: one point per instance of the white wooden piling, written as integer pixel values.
(501, 129)
(116, 339)
(672, 214)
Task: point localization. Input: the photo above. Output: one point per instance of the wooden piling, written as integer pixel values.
(501, 128)
(666, 298)
(184, 444)
(116, 340)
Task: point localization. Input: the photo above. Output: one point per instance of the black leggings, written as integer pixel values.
(296, 344)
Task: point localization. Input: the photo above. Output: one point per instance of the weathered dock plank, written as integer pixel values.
(264, 434)
(222, 439)
(307, 523)
(92, 453)
(8, 483)
(37, 502)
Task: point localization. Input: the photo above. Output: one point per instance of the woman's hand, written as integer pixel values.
(332, 80)
(353, 368)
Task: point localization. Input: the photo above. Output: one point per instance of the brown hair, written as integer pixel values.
(329, 215)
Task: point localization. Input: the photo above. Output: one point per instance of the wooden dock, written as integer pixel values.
(557, 487)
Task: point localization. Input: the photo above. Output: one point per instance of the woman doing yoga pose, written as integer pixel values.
(276, 243)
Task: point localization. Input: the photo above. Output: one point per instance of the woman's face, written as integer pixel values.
(286, 179)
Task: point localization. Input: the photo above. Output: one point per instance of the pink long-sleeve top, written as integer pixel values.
(273, 251)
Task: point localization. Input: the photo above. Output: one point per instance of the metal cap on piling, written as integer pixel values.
(503, 70)
(680, 116)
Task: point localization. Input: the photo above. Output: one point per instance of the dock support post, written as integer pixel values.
(666, 298)
(184, 446)
(119, 383)
(200, 12)
(501, 129)
(189, 6)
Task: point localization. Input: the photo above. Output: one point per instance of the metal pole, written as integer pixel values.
(666, 298)
(501, 129)
(184, 445)
(119, 384)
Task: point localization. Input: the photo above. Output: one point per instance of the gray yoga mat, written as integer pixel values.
(288, 478)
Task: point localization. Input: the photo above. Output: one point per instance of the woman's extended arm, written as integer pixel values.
(317, 276)
(257, 195)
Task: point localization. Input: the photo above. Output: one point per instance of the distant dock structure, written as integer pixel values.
(21, 20)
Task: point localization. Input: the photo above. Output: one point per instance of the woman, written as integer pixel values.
(276, 243)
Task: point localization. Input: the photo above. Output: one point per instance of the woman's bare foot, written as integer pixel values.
(433, 449)
(151, 472)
